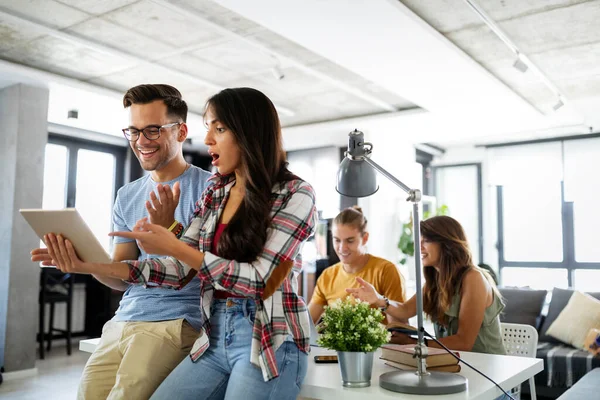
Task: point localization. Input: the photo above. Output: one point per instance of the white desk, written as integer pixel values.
(323, 381)
(89, 345)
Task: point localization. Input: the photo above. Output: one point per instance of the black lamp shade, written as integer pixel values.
(356, 179)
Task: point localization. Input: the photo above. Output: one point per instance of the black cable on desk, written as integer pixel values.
(466, 363)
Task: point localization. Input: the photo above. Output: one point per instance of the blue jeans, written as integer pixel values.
(224, 370)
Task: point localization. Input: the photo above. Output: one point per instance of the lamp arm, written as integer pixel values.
(415, 198)
(415, 194)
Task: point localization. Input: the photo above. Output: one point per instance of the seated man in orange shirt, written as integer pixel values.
(349, 239)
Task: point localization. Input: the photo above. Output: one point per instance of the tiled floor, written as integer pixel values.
(57, 378)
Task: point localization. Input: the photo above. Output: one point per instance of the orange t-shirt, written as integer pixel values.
(382, 274)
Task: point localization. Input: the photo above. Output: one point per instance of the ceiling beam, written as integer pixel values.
(188, 13)
(107, 50)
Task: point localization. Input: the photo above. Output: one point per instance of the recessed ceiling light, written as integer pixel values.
(520, 65)
(558, 104)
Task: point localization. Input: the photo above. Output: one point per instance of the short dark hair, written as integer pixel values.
(147, 93)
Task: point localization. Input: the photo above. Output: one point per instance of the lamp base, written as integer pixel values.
(434, 383)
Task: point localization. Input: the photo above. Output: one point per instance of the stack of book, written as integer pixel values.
(401, 356)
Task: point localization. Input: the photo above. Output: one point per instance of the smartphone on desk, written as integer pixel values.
(330, 359)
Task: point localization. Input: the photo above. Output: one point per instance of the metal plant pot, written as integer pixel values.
(356, 368)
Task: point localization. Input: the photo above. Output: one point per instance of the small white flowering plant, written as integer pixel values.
(352, 325)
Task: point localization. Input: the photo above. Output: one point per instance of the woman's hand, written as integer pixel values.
(161, 209)
(61, 253)
(366, 292)
(152, 238)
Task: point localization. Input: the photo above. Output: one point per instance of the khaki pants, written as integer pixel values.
(133, 358)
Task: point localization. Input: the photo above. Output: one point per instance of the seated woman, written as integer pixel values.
(350, 237)
(243, 243)
(460, 298)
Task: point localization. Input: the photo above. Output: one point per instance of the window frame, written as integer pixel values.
(568, 242)
(477, 165)
(73, 145)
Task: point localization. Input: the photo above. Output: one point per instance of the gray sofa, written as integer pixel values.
(585, 388)
(564, 365)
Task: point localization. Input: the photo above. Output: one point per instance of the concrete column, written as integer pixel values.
(23, 138)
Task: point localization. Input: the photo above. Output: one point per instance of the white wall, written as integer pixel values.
(387, 209)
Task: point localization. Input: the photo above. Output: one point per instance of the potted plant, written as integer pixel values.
(354, 330)
(406, 243)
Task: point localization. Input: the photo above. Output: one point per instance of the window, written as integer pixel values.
(547, 217)
(319, 168)
(84, 175)
(459, 188)
(582, 187)
(533, 228)
(535, 278)
(55, 177)
(586, 280)
(95, 191)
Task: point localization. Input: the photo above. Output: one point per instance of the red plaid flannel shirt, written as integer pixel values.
(294, 219)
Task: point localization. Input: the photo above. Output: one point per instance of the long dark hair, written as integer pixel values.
(254, 122)
(455, 260)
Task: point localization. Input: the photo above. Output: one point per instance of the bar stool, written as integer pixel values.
(55, 287)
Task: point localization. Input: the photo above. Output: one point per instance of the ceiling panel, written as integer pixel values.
(451, 15)
(185, 52)
(161, 23)
(558, 28)
(308, 112)
(571, 62)
(296, 84)
(559, 36)
(481, 44)
(237, 56)
(387, 96)
(213, 72)
(14, 34)
(48, 51)
(49, 12)
(345, 104)
(116, 36)
(280, 44)
(554, 29)
(204, 7)
(219, 15)
(97, 7)
(581, 89)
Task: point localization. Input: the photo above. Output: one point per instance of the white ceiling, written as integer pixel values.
(426, 70)
(197, 46)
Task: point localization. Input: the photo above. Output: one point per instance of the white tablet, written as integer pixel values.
(68, 223)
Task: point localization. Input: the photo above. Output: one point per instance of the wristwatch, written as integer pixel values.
(387, 304)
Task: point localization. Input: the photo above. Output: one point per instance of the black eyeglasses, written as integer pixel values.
(149, 132)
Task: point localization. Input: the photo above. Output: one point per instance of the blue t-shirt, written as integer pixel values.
(159, 304)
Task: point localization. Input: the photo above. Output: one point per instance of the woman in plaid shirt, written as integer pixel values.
(244, 243)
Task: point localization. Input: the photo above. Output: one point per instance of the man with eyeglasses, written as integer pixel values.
(154, 328)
